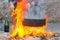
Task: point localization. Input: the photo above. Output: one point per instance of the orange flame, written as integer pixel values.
(21, 30)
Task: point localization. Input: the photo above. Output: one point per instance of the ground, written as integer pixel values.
(54, 27)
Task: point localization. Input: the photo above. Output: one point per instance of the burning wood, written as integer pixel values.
(21, 31)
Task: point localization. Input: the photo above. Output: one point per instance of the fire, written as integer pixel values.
(21, 31)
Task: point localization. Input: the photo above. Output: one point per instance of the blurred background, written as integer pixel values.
(53, 11)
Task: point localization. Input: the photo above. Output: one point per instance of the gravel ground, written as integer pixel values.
(54, 27)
